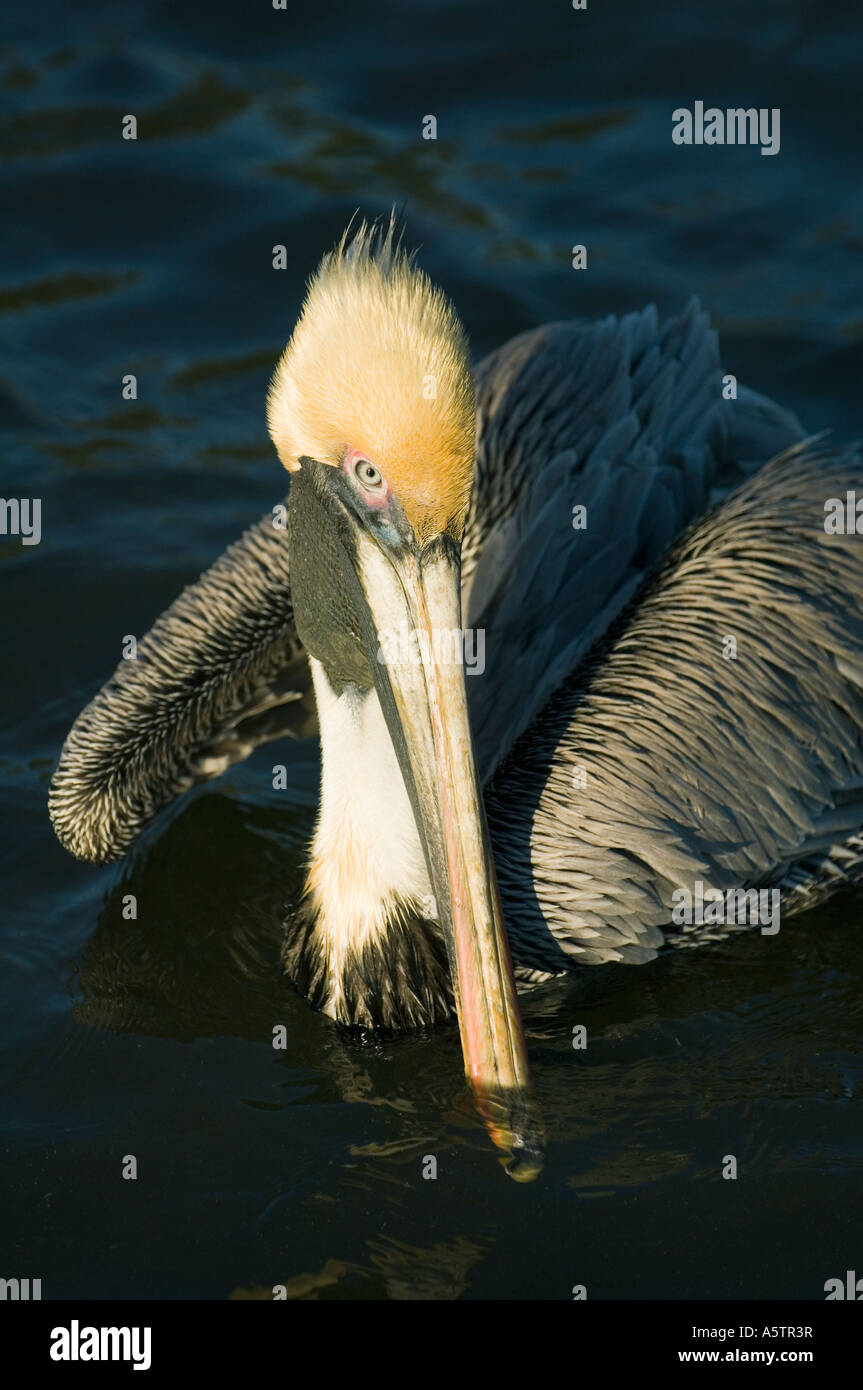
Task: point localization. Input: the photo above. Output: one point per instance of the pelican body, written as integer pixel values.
(673, 685)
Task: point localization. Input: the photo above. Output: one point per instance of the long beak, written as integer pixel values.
(421, 685)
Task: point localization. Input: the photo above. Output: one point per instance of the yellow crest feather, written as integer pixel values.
(379, 362)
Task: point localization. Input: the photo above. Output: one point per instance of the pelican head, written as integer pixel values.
(372, 409)
(378, 368)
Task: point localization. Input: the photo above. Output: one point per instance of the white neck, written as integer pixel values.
(367, 860)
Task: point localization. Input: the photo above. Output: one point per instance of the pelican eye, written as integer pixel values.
(369, 476)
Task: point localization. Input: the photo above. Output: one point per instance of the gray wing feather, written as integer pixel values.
(624, 417)
(221, 671)
(743, 772)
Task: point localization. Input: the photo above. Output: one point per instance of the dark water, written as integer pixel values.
(152, 1037)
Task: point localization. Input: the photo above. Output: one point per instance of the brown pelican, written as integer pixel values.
(655, 708)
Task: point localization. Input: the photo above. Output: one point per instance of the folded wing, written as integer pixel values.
(221, 671)
(598, 443)
(715, 734)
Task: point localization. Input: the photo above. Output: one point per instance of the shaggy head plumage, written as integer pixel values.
(378, 363)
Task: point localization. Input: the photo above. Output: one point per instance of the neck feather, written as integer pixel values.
(366, 946)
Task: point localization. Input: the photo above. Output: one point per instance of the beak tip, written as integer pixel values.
(524, 1163)
(515, 1128)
